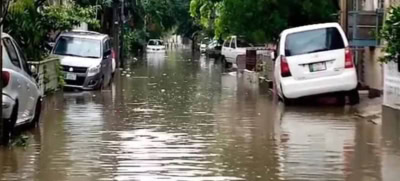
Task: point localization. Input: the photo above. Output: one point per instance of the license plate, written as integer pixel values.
(315, 67)
(70, 76)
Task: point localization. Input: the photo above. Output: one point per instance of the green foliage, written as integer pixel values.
(391, 34)
(20, 141)
(134, 40)
(260, 20)
(31, 25)
(60, 75)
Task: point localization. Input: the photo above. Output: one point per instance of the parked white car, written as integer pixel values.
(155, 45)
(86, 58)
(233, 47)
(313, 60)
(22, 98)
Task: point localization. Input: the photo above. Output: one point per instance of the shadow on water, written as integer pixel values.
(178, 116)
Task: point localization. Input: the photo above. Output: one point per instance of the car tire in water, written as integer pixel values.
(38, 111)
(9, 126)
(100, 86)
(354, 97)
(341, 99)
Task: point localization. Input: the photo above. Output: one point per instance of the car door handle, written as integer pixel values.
(28, 87)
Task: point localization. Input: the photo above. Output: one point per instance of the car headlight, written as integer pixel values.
(94, 70)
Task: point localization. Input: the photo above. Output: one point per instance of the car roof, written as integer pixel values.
(310, 27)
(85, 34)
(155, 40)
(3, 35)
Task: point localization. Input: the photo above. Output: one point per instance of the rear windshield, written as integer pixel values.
(79, 47)
(313, 41)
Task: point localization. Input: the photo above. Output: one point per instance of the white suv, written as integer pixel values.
(20, 92)
(232, 48)
(313, 60)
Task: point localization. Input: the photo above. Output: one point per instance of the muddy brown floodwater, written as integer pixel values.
(176, 116)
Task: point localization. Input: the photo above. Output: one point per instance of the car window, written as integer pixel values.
(242, 43)
(23, 59)
(155, 42)
(233, 43)
(12, 53)
(79, 47)
(313, 41)
(105, 46)
(227, 42)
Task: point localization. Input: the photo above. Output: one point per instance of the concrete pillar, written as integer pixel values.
(373, 70)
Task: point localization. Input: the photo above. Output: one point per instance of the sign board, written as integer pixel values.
(391, 95)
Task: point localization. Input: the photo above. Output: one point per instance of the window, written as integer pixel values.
(233, 43)
(313, 41)
(242, 43)
(156, 42)
(78, 47)
(23, 60)
(227, 42)
(11, 52)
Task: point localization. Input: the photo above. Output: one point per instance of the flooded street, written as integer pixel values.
(176, 116)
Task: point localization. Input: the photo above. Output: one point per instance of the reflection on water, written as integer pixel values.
(178, 117)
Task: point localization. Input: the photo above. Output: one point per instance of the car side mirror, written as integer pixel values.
(50, 45)
(34, 71)
(107, 54)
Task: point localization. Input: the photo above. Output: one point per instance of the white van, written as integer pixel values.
(313, 60)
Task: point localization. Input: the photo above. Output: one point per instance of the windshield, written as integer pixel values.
(156, 42)
(242, 43)
(80, 47)
(313, 41)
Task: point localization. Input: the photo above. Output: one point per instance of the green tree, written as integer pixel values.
(260, 20)
(31, 23)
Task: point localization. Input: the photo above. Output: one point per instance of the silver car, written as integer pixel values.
(22, 98)
(86, 58)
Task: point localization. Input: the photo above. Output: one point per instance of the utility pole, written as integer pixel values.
(115, 31)
(122, 22)
(1, 78)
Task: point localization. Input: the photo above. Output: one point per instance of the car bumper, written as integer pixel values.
(300, 88)
(84, 82)
(7, 105)
(155, 50)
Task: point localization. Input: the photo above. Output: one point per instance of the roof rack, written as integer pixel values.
(84, 32)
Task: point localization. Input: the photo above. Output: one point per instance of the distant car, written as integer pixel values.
(155, 45)
(203, 44)
(232, 48)
(86, 58)
(22, 98)
(315, 59)
(214, 49)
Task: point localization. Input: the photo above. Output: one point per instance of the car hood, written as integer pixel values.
(79, 61)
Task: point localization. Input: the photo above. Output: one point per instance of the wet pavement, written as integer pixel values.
(176, 116)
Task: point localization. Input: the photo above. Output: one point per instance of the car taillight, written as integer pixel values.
(5, 76)
(285, 70)
(348, 62)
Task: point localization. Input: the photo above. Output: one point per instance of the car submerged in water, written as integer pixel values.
(314, 60)
(155, 45)
(86, 59)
